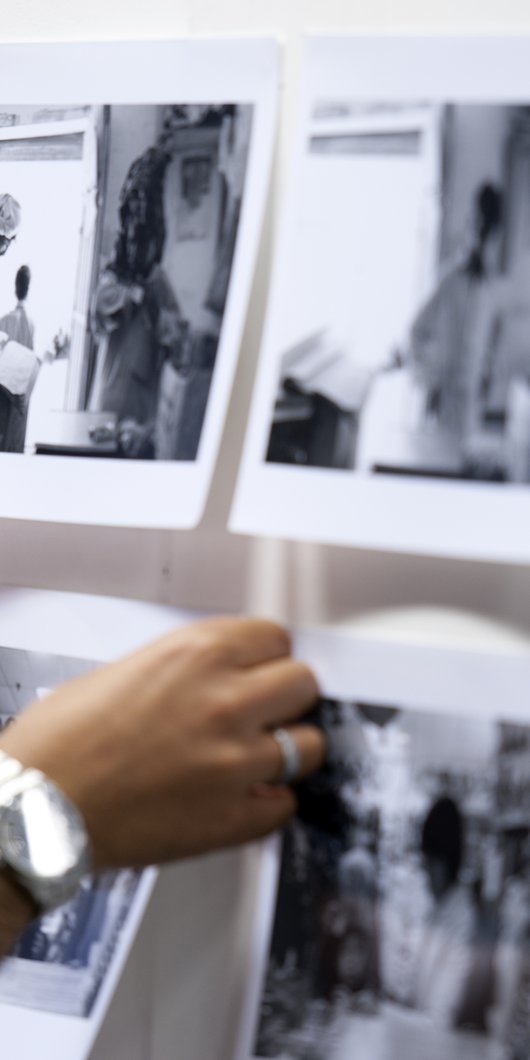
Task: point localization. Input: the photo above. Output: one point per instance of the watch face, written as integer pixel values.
(41, 834)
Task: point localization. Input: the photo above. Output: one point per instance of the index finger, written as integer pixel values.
(278, 692)
(247, 641)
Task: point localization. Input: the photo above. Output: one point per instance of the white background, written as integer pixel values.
(196, 960)
(208, 567)
(477, 521)
(136, 493)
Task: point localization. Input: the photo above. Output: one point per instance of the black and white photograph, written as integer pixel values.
(396, 357)
(410, 300)
(402, 924)
(60, 962)
(118, 226)
(131, 206)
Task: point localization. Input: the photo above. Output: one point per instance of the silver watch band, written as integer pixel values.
(48, 891)
(14, 778)
(9, 767)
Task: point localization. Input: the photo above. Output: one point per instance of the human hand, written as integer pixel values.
(168, 752)
(134, 439)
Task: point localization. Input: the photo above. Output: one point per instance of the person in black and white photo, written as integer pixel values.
(405, 930)
(128, 299)
(407, 314)
(10, 215)
(159, 301)
(17, 366)
(17, 324)
(445, 958)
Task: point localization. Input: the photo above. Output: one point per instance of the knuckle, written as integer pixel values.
(308, 677)
(224, 705)
(280, 636)
(208, 646)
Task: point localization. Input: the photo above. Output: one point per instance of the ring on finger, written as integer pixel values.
(290, 755)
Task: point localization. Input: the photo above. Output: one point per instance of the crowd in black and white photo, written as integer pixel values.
(402, 925)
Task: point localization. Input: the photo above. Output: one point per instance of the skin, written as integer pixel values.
(168, 753)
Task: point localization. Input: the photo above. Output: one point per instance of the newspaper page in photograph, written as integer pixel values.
(401, 924)
(68, 961)
(131, 202)
(392, 404)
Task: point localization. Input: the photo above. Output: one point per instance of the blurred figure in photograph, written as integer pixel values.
(350, 949)
(18, 365)
(159, 302)
(10, 217)
(17, 325)
(452, 336)
(512, 960)
(445, 955)
(135, 313)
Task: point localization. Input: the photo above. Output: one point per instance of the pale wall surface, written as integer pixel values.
(208, 567)
(443, 600)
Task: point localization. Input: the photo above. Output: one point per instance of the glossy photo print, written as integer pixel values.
(401, 925)
(124, 333)
(392, 917)
(122, 227)
(399, 335)
(60, 962)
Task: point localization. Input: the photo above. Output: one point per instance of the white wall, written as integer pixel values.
(210, 568)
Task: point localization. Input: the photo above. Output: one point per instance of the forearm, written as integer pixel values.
(166, 754)
(16, 911)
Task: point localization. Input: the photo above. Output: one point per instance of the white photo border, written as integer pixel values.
(480, 521)
(410, 676)
(135, 493)
(99, 630)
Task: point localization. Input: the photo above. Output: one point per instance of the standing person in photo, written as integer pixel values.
(16, 324)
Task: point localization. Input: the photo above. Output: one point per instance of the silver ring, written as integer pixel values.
(290, 755)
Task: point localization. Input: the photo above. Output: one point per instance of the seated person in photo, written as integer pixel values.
(17, 324)
(445, 955)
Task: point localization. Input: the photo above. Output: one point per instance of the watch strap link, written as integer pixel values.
(14, 778)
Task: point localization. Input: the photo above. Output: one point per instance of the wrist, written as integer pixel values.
(44, 844)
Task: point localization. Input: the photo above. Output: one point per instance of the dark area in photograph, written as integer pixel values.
(402, 923)
(408, 301)
(112, 302)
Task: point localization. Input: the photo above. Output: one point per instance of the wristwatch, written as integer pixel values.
(44, 845)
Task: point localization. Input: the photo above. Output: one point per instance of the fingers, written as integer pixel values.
(278, 692)
(311, 746)
(240, 642)
(251, 641)
(268, 809)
